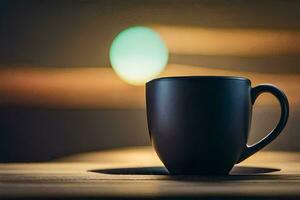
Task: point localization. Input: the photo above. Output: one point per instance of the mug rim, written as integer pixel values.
(201, 77)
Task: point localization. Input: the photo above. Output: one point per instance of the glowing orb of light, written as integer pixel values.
(138, 54)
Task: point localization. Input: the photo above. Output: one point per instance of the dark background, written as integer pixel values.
(51, 34)
(78, 33)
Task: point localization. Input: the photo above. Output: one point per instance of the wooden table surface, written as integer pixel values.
(137, 173)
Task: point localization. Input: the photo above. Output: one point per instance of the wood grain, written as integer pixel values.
(266, 174)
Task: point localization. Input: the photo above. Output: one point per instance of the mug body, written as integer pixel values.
(199, 124)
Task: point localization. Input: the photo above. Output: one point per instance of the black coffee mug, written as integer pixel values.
(200, 124)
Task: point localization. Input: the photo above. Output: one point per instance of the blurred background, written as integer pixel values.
(59, 94)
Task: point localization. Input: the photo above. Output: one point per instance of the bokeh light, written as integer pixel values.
(138, 54)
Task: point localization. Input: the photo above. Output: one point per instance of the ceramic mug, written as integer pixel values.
(200, 124)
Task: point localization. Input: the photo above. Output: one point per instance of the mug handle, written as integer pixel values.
(284, 105)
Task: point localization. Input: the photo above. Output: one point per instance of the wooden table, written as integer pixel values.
(137, 173)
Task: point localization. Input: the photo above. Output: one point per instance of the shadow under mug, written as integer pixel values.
(200, 124)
